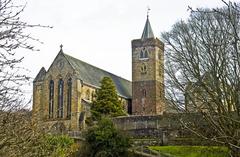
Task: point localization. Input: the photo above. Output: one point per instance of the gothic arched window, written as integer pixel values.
(69, 97)
(51, 98)
(60, 98)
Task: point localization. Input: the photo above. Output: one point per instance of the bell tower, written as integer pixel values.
(147, 74)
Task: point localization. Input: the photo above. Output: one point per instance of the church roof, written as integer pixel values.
(93, 75)
(147, 31)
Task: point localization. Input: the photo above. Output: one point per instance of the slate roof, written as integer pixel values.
(93, 75)
(147, 31)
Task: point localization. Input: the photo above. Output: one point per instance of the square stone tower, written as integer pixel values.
(147, 74)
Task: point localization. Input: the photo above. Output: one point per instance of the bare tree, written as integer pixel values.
(18, 136)
(203, 71)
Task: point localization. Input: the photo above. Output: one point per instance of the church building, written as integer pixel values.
(62, 95)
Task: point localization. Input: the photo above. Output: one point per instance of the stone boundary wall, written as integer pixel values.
(160, 127)
(165, 128)
(135, 122)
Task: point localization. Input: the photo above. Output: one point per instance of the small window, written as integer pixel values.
(143, 69)
(144, 93)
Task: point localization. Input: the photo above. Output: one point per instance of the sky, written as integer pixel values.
(98, 32)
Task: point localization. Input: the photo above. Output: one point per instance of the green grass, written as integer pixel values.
(191, 151)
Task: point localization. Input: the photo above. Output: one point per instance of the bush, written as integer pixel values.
(59, 145)
(105, 140)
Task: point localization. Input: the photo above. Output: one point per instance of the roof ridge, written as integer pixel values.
(97, 67)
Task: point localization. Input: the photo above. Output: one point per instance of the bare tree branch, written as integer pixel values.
(203, 70)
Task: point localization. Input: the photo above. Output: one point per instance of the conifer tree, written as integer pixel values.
(106, 102)
(106, 140)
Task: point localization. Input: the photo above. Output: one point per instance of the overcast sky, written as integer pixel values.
(99, 32)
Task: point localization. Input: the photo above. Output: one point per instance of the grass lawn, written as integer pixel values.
(191, 151)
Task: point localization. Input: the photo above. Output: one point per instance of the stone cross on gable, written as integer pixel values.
(61, 46)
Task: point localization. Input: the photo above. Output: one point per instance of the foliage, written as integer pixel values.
(203, 72)
(192, 151)
(59, 145)
(106, 102)
(26, 140)
(105, 140)
(12, 38)
(18, 136)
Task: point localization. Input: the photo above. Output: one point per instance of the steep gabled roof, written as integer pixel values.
(92, 75)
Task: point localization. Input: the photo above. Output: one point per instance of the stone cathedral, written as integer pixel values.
(62, 95)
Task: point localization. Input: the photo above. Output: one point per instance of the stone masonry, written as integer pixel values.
(148, 86)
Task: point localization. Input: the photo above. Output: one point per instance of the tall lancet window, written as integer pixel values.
(69, 98)
(51, 98)
(60, 98)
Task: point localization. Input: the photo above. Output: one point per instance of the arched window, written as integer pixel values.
(60, 98)
(144, 93)
(143, 69)
(69, 97)
(51, 98)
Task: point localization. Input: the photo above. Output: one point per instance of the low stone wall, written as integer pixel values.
(165, 128)
(147, 122)
(158, 127)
